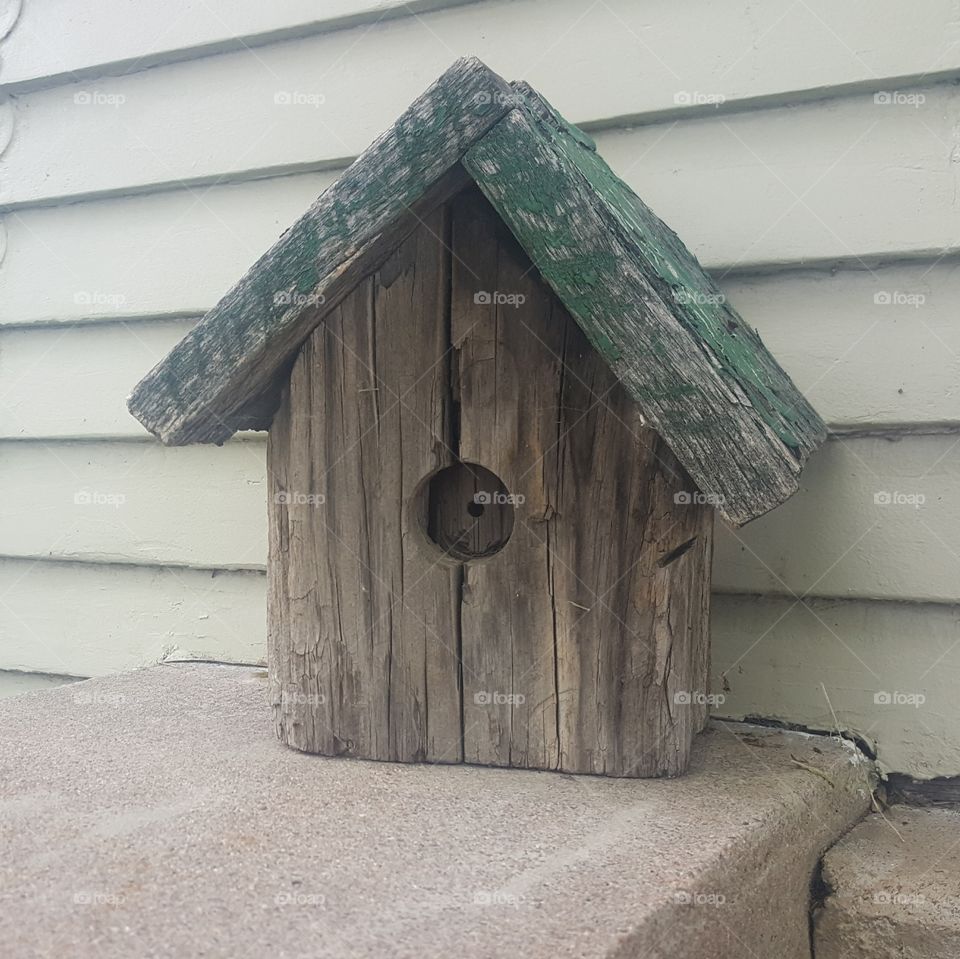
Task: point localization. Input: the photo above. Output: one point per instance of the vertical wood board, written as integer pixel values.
(585, 641)
(363, 639)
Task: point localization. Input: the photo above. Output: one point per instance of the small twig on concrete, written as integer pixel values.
(812, 769)
(874, 801)
(885, 818)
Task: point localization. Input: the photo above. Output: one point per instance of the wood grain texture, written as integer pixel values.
(701, 378)
(507, 376)
(574, 636)
(226, 374)
(363, 633)
(584, 638)
(693, 297)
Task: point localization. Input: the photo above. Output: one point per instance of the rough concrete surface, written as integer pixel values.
(153, 814)
(895, 888)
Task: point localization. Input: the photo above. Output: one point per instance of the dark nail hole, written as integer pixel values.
(676, 553)
(475, 509)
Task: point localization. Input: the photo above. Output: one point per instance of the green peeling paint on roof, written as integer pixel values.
(701, 377)
(697, 301)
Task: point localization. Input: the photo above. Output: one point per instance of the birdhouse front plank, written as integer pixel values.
(457, 484)
(363, 646)
(582, 637)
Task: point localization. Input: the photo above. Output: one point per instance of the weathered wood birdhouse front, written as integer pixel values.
(504, 403)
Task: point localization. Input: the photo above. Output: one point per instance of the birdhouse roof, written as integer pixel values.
(701, 377)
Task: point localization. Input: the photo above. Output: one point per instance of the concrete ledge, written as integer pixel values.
(895, 896)
(153, 814)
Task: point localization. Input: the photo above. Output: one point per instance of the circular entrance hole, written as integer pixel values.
(469, 511)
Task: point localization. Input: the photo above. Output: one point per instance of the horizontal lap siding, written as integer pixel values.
(87, 619)
(868, 347)
(206, 506)
(860, 359)
(823, 221)
(94, 367)
(616, 59)
(754, 49)
(119, 257)
(824, 663)
(846, 180)
(89, 43)
(873, 518)
(136, 503)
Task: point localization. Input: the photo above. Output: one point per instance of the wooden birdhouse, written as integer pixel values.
(504, 403)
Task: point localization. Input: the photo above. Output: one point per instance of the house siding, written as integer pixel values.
(806, 153)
